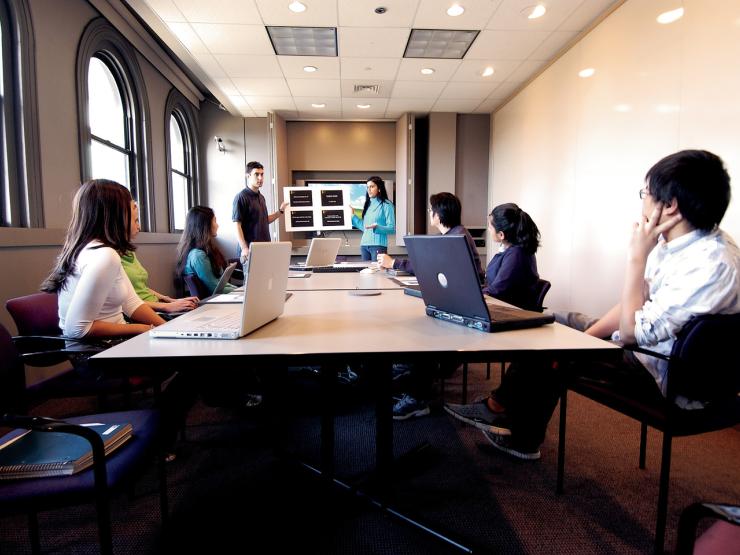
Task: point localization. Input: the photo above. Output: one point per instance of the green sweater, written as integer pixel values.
(138, 276)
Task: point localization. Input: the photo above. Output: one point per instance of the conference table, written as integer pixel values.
(332, 328)
(332, 281)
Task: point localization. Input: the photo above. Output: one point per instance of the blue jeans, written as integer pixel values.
(371, 252)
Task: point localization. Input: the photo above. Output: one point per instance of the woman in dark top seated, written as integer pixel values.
(511, 275)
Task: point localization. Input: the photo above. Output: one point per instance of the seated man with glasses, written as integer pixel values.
(680, 265)
(445, 215)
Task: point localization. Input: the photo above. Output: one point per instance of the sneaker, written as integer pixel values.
(400, 371)
(408, 407)
(347, 376)
(503, 443)
(479, 415)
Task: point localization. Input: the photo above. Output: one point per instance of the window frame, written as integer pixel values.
(21, 201)
(100, 40)
(177, 106)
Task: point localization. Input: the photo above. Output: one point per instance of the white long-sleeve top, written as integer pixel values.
(97, 289)
(697, 273)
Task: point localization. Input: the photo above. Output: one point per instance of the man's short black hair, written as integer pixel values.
(254, 166)
(447, 207)
(699, 182)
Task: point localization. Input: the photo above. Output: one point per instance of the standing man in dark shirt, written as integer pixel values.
(249, 212)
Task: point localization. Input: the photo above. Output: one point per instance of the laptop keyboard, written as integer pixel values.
(335, 269)
(227, 321)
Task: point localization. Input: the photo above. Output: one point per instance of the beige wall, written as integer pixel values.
(442, 151)
(573, 152)
(341, 146)
(471, 167)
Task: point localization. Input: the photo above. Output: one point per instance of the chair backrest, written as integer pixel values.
(542, 287)
(12, 375)
(195, 286)
(36, 314)
(705, 362)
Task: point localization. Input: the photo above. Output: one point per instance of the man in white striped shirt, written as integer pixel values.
(679, 265)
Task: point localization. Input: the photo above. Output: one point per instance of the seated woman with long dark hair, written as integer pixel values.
(197, 253)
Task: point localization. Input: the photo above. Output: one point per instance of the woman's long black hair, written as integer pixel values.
(197, 235)
(382, 193)
(516, 225)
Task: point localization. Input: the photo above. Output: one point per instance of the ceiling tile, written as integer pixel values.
(271, 103)
(471, 70)
(314, 87)
(188, 37)
(319, 13)
(552, 45)
(455, 105)
(234, 39)
(504, 90)
(525, 71)
(369, 68)
(303, 104)
(328, 68)
(357, 42)
(473, 91)
(166, 10)
(505, 45)
(432, 14)
(509, 15)
(361, 13)
(210, 65)
(219, 11)
(226, 86)
(488, 105)
(319, 114)
(247, 65)
(410, 69)
(376, 109)
(586, 13)
(348, 88)
(256, 87)
(410, 104)
(417, 89)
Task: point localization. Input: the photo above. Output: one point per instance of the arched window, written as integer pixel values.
(20, 187)
(182, 159)
(113, 112)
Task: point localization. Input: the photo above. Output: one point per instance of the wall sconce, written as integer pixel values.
(220, 143)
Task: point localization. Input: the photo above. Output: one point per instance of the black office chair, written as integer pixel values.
(704, 365)
(196, 287)
(727, 541)
(114, 473)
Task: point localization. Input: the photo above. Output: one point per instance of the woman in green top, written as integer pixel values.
(139, 278)
(378, 220)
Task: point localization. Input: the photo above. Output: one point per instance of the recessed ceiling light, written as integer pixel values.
(297, 7)
(455, 10)
(670, 16)
(310, 69)
(451, 44)
(487, 72)
(588, 72)
(322, 105)
(363, 106)
(533, 12)
(303, 41)
(427, 70)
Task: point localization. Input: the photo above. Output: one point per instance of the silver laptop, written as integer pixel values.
(264, 299)
(322, 252)
(224, 279)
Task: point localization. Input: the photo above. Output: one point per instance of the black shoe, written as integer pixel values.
(400, 371)
(347, 376)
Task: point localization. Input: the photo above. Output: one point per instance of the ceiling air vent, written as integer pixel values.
(367, 89)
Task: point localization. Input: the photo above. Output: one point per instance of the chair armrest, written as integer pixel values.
(637, 349)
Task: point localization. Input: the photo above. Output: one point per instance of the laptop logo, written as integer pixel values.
(442, 279)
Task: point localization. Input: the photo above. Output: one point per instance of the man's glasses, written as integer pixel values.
(643, 193)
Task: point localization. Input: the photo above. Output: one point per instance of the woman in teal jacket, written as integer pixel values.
(197, 252)
(378, 220)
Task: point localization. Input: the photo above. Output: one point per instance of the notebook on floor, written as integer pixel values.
(266, 281)
(451, 290)
(322, 252)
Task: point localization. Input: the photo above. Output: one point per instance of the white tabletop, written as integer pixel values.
(329, 325)
(333, 281)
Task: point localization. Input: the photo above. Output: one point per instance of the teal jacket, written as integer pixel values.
(199, 264)
(380, 213)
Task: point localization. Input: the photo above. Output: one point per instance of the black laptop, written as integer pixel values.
(451, 290)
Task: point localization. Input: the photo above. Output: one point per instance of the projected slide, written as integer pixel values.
(318, 208)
